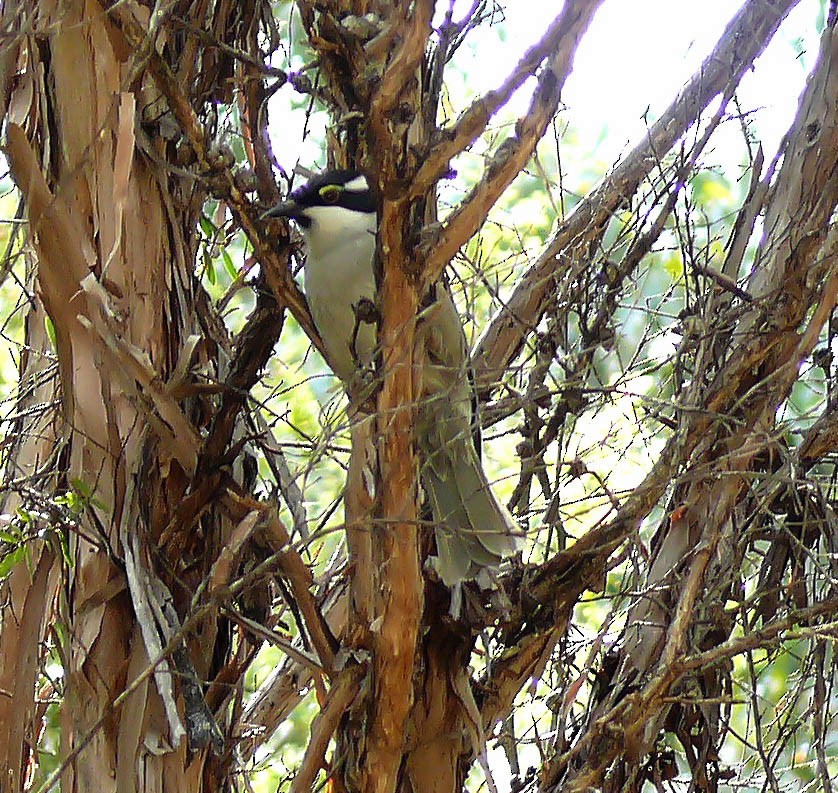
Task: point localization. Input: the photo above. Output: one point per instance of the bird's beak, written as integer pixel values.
(287, 209)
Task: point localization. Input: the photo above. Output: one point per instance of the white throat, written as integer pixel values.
(338, 276)
(335, 227)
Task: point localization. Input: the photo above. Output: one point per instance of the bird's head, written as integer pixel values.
(331, 206)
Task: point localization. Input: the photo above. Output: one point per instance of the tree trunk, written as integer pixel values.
(113, 231)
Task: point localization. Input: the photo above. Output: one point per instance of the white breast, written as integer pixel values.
(338, 275)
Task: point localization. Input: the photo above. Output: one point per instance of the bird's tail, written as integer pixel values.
(474, 531)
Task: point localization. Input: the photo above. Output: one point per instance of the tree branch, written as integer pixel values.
(398, 600)
(567, 252)
(223, 185)
(403, 66)
(296, 572)
(453, 140)
(340, 697)
(513, 154)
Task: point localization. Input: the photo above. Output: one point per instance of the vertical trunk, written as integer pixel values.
(99, 205)
(28, 590)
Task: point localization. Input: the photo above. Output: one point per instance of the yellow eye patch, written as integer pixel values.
(330, 193)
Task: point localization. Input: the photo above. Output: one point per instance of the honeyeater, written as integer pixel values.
(336, 213)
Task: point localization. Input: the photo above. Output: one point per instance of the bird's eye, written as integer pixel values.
(330, 193)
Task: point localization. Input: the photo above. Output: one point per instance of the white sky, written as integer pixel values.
(636, 55)
(645, 51)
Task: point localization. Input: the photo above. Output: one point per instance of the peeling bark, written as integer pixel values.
(157, 593)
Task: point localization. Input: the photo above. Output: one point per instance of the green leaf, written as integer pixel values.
(8, 562)
(82, 488)
(207, 226)
(9, 537)
(232, 271)
(209, 267)
(64, 545)
(74, 501)
(51, 334)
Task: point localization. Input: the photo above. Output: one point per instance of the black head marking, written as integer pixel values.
(343, 188)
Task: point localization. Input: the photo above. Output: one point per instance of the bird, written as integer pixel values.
(337, 216)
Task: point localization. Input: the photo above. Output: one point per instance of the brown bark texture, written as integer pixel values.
(161, 533)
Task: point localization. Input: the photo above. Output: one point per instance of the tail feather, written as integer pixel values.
(473, 529)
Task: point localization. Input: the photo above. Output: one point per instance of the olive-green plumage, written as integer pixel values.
(336, 214)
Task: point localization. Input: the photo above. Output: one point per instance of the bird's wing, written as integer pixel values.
(442, 353)
(473, 530)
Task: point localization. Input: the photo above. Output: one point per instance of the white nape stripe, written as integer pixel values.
(356, 185)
